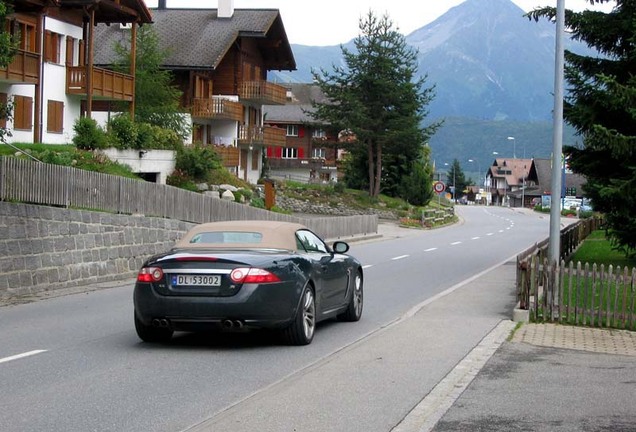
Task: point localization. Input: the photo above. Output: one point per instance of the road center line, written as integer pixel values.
(489, 234)
(19, 356)
(430, 249)
(456, 243)
(475, 238)
(399, 257)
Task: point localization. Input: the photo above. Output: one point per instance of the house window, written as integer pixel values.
(292, 130)
(319, 134)
(27, 36)
(55, 117)
(52, 46)
(289, 153)
(319, 153)
(22, 112)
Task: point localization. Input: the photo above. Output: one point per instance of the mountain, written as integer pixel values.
(488, 63)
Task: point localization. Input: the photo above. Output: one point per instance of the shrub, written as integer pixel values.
(197, 162)
(339, 187)
(181, 180)
(257, 202)
(88, 134)
(123, 132)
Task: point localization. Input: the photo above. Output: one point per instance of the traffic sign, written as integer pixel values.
(439, 187)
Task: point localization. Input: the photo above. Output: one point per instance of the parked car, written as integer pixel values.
(242, 275)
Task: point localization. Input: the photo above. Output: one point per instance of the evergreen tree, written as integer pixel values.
(377, 99)
(601, 106)
(8, 48)
(456, 178)
(157, 101)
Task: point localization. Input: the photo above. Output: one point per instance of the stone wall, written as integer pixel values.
(47, 248)
(311, 207)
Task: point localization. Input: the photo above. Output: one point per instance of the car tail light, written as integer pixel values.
(150, 274)
(252, 275)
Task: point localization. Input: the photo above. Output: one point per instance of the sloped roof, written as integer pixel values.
(298, 107)
(199, 39)
(518, 169)
(110, 11)
(544, 172)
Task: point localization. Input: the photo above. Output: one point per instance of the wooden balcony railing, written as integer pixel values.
(315, 164)
(107, 84)
(25, 68)
(229, 155)
(263, 92)
(262, 135)
(217, 108)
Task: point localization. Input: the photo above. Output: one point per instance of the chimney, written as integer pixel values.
(161, 5)
(226, 8)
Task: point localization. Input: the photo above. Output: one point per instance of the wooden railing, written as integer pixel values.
(230, 155)
(262, 135)
(107, 84)
(53, 185)
(217, 108)
(263, 92)
(575, 293)
(25, 68)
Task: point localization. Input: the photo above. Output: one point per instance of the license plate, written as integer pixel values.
(199, 280)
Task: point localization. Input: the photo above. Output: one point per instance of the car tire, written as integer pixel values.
(301, 331)
(356, 301)
(152, 334)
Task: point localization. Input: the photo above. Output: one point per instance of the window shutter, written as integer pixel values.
(301, 131)
(301, 152)
(270, 152)
(279, 152)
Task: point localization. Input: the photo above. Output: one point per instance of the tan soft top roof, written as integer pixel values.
(275, 235)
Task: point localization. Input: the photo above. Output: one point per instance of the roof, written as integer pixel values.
(298, 106)
(199, 39)
(518, 168)
(275, 235)
(544, 171)
(113, 11)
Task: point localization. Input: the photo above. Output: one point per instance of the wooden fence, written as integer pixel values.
(60, 186)
(578, 294)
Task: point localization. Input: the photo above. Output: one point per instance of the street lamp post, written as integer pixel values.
(514, 146)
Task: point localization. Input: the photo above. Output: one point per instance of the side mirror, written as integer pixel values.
(340, 247)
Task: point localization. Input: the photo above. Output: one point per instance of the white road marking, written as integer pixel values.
(456, 243)
(475, 238)
(501, 230)
(19, 356)
(430, 249)
(489, 234)
(399, 257)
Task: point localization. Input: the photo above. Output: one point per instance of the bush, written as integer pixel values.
(181, 180)
(257, 202)
(88, 134)
(197, 162)
(339, 187)
(123, 132)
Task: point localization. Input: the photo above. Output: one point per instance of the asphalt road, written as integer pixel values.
(81, 367)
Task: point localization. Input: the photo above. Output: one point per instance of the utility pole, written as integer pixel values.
(555, 200)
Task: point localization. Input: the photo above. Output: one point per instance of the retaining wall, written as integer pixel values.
(48, 248)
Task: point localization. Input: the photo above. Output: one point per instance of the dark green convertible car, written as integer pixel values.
(242, 275)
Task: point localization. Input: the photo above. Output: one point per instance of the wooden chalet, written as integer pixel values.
(219, 59)
(53, 80)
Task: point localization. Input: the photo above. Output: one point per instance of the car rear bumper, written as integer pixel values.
(253, 306)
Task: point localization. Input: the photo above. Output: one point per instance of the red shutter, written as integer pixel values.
(301, 131)
(301, 153)
(270, 152)
(279, 152)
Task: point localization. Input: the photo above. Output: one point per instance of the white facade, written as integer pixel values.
(161, 163)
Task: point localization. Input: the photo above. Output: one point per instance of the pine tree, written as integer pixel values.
(157, 101)
(376, 98)
(601, 106)
(456, 178)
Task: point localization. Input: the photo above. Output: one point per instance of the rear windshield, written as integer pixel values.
(227, 237)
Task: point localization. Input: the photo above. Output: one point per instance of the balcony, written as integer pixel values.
(24, 69)
(217, 108)
(314, 164)
(107, 84)
(262, 135)
(229, 155)
(263, 93)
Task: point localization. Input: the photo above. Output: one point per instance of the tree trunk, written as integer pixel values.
(371, 169)
(378, 169)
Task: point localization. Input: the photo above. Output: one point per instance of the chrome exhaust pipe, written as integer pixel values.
(165, 323)
(156, 322)
(238, 324)
(227, 324)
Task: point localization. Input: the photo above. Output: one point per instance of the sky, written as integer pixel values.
(336, 21)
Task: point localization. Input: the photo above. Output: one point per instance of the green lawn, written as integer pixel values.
(596, 248)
